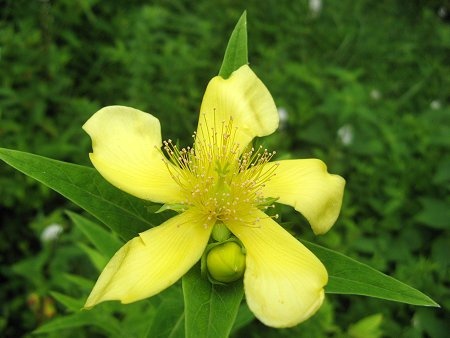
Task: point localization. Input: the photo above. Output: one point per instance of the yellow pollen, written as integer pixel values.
(216, 178)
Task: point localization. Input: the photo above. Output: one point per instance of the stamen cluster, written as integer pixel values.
(216, 178)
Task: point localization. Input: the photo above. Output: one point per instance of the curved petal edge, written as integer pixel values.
(284, 282)
(126, 151)
(153, 261)
(245, 100)
(310, 189)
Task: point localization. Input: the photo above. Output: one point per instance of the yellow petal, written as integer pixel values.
(153, 261)
(283, 280)
(310, 189)
(125, 144)
(242, 97)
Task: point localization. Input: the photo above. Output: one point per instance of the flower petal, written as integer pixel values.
(126, 145)
(242, 97)
(153, 261)
(283, 280)
(310, 189)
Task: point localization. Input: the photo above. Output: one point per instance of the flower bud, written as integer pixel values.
(49, 309)
(226, 262)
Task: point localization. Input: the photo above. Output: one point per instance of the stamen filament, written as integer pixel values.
(216, 178)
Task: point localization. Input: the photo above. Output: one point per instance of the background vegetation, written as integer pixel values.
(362, 85)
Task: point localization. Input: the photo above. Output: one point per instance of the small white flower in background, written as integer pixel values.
(375, 94)
(442, 12)
(435, 104)
(315, 6)
(51, 233)
(283, 115)
(345, 134)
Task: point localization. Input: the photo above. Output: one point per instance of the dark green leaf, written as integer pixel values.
(81, 282)
(97, 259)
(236, 54)
(72, 304)
(168, 321)
(347, 276)
(244, 317)
(210, 310)
(123, 213)
(435, 213)
(105, 242)
(80, 319)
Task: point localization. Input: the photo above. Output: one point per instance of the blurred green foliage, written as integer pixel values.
(363, 85)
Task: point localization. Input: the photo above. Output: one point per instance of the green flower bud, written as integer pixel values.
(226, 262)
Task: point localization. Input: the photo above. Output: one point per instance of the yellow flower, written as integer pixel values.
(220, 180)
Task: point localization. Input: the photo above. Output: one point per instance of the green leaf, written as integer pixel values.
(368, 327)
(428, 323)
(80, 319)
(243, 318)
(97, 259)
(72, 304)
(435, 213)
(123, 213)
(236, 54)
(105, 242)
(210, 309)
(168, 321)
(79, 281)
(348, 276)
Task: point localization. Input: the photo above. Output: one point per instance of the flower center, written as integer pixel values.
(217, 179)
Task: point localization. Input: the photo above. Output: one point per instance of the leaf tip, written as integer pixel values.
(236, 52)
